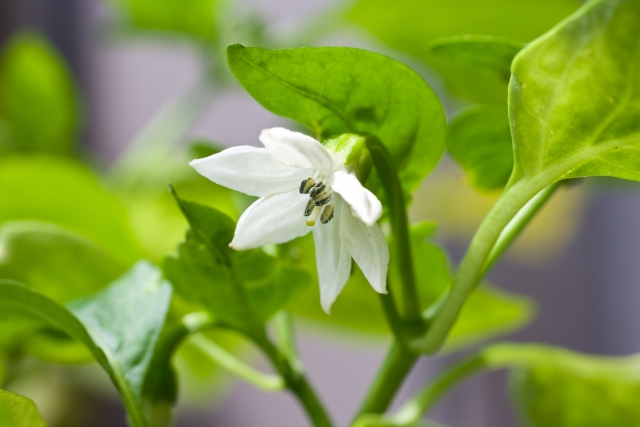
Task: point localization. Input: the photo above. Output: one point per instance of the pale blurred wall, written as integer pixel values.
(588, 295)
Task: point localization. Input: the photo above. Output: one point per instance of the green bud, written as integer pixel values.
(353, 150)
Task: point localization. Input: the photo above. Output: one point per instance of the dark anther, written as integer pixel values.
(309, 208)
(319, 188)
(327, 214)
(306, 185)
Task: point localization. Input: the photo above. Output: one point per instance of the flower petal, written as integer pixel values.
(274, 219)
(297, 150)
(250, 170)
(368, 248)
(332, 259)
(363, 202)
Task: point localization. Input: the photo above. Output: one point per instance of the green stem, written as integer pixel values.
(518, 223)
(286, 339)
(473, 264)
(399, 226)
(396, 366)
(393, 318)
(424, 400)
(297, 383)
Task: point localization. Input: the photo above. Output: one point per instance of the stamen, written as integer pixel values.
(309, 208)
(319, 188)
(322, 198)
(307, 185)
(311, 221)
(327, 214)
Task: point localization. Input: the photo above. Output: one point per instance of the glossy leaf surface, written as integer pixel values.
(335, 90)
(18, 411)
(38, 103)
(479, 139)
(561, 130)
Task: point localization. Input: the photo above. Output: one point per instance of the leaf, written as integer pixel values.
(575, 98)
(490, 53)
(38, 102)
(120, 325)
(335, 90)
(241, 289)
(410, 25)
(191, 17)
(559, 388)
(18, 411)
(62, 191)
(479, 139)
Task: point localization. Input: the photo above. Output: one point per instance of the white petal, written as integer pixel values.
(363, 202)
(250, 170)
(274, 219)
(368, 248)
(297, 150)
(332, 259)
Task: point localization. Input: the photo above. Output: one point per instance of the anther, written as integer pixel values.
(327, 214)
(319, 188)
(322, 198)
(309, 208)
(311, 221)
(306, 185)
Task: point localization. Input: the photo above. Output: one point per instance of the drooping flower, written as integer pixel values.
(303, 187)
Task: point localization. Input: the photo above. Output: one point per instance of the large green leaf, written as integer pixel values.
(335, 90)
(241, 289)
(63, 191)
(479, 139)
(410, 25)
(18, 411)
(190, 17)
(489, 53)
(575, 97)
(38, 101)
(120, 325)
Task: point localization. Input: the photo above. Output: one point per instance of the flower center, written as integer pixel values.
(319, 197)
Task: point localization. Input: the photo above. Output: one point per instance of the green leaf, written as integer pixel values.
(479, 139)
(41, 254)
(336, 90)
(241, 289)
(120, 326)
(559, 388)
(65, 192)
(18, 411)
(38, 101)
(191, 17)
(410, 25)
(575, 98)
(490, 53)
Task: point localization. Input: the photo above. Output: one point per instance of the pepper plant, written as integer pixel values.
(371, 131)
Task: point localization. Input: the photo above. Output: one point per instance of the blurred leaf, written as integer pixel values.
(410, 25)
(65, 192)
(191, 17)
(561, 128)
(487, 313)
(490, 53)
(380, 421)
(559, 388)
(38, 102)
(241, 289)
(18, 411)
(200, 149)
(120, 325)
(479, 139)
(55, 262)
(335, 90)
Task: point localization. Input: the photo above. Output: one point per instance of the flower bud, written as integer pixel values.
(352, 150)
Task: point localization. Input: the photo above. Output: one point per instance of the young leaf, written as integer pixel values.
(191, 17)
(63, 191)
(335, 90)
(18, 411)
(38, 102)
(490, 53)
(574, 97)
(479, 139)
(120, 326)
(241, 289)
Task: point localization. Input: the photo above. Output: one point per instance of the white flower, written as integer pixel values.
(299, 181)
